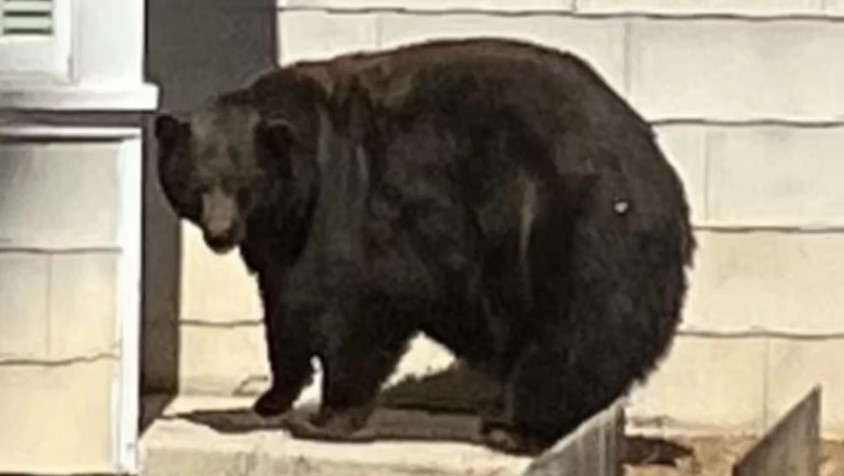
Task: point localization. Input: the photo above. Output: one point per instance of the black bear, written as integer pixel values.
(493, 194)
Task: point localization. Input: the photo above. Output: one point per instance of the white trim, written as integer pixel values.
(41, 58)
(127, 383)
(39, 131)
(90, 96)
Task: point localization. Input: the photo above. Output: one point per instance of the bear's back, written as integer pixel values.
(575, 122)
(555, 94)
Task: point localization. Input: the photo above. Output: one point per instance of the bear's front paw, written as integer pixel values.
(272, 403)
(508, 440)
(334, 425)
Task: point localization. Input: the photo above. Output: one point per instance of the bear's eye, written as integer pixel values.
(186, 198)
(193, 210)
(190, 206)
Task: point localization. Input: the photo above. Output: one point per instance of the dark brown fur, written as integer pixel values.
(496, 195)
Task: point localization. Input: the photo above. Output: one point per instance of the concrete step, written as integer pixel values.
(219, 436)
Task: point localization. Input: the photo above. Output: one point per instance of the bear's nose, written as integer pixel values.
(220, 237)
(222, 241)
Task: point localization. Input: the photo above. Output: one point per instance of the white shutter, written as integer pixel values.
(26, 17)
(35, 40)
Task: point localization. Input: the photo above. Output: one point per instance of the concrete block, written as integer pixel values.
(593, 449)
(213, 436)
(785, 282)
(62, 195)
(83, 305)
(220, 359)
(24, 288)
(285, 455)
(794, 367)
(685, 148)
(179, 448)
(57, 419)
(698, 7)
(600, 42)
(776, 175)
(741, 70)
(791, 446)
(311, 35)
(215, 288)
(166, 454)
(436, 5)
(702, 385)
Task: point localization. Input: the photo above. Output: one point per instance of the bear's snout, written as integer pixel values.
(221, 226)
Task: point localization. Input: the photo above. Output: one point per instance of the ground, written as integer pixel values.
(713, 456)
(417, 436)
(212, 436)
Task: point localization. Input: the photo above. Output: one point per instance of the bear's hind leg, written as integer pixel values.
(547, 395)
(621, 306)
(608, 288)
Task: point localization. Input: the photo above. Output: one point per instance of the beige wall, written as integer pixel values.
(62, 207)
(749, 111)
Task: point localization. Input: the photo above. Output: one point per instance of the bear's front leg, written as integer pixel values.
(361, 349)
(289, 348)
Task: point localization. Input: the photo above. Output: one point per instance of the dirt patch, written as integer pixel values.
(710, 456)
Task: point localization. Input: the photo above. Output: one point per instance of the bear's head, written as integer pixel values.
(219, 165)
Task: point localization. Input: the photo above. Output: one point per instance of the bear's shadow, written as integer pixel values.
(439, 407)
(442, 406)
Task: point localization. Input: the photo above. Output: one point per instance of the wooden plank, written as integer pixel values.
(593, 449)
(791, 447)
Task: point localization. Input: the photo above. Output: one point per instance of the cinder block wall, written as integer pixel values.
(747, 100)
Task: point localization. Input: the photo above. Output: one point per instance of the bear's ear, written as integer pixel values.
(167, 128)
(275, 135)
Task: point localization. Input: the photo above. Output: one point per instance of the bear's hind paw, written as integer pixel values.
(510, 441)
